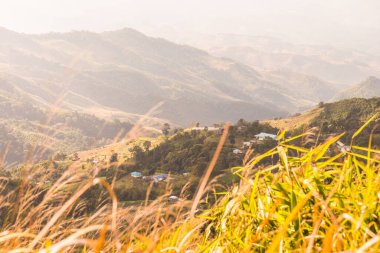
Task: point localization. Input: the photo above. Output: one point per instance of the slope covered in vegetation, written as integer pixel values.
(304, 200)
(334, 118)
(26, 128)
(348, 116)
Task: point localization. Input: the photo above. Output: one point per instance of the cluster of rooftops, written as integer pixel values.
(157, 178)
(258, 137)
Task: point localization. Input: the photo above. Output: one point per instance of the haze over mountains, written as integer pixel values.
(341, 66)
(367, 89)
(124, 74)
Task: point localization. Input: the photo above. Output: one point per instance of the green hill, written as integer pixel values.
(347, 116)
(333, 118)
(28, 132)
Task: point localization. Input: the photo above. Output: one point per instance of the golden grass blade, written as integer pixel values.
(295, 138)
(283, 230)
(114, 208)
(369, 244)
(61, 211)
(363, 126)
(16, 235)
(370, 150)
(328, 241)
(207, 174)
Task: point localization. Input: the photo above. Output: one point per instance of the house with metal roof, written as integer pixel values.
(237, 151)
(160, 178)
(262, 136)
(173, 198)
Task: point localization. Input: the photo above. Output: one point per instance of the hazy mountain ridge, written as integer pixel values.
(338, 66)
(124, 74)
(366, 89)
(128, 72)
(306, 88)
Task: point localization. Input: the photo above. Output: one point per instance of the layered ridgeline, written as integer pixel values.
(124, 74)
(366, 89)
(337, 66)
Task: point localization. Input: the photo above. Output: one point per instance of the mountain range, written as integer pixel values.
(125, 74)
(65, 92)
(338, 66)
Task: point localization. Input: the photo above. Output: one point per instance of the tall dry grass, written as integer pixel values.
(310, 200)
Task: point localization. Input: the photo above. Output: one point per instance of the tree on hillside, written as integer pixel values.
(60, 156)
(199, 167)
(75, 157)
(147, 145)
(165, 129)
(241, 122)
(114, 158)
(137, 152)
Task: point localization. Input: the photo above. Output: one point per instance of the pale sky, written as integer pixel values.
(329, 20)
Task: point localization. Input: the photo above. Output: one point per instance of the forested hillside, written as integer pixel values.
(185, 156)
(28, 132)
(330, 119)
(348, 116)
(154, 192)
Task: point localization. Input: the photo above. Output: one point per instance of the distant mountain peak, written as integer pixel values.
(373, 79)
(366, 89)
(372, 82)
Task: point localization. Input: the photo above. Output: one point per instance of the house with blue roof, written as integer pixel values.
(136, 174)
(160, 178)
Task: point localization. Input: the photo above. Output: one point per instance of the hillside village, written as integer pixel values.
(182, 156)
(132, 160)
(169, 160)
